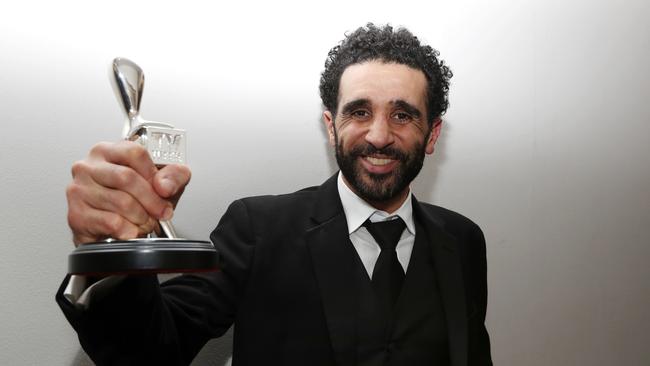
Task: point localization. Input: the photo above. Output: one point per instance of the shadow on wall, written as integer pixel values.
(217, 352)
(81, 359)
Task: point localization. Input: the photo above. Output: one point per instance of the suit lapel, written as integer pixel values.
(446, 258)
(333, 258)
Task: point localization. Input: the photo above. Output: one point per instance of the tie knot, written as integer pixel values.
(386, 233)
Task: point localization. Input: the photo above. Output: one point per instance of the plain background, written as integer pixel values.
(546, 145)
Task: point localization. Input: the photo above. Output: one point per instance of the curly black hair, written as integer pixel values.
(382, 43)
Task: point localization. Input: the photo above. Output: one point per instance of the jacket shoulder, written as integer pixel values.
(450, 220)
(270, 212)
(446, 214)
(278, 202)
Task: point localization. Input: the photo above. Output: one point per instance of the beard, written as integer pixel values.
(379, 187)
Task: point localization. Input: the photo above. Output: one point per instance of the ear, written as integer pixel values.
(433, 135)
(328, 119)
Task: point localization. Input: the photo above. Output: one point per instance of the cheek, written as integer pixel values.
(409, 136)
(348, 135)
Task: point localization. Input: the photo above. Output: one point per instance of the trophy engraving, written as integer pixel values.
(166, 145)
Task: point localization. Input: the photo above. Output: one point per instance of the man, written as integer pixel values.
(306, 277)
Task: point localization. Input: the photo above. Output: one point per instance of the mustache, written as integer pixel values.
(389, 151)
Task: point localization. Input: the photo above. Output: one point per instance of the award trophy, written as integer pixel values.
(166, 145)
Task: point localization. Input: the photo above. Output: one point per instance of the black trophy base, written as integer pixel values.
(142, 256)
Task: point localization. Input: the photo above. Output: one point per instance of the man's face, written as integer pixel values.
(380, 131)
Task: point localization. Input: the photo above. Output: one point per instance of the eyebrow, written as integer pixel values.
(408, 107)
(352, 105)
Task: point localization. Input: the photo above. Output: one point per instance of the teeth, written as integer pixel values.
(376, 161)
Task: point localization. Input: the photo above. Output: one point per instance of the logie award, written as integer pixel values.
(166, 145)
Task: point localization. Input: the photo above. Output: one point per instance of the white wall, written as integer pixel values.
(546, 146)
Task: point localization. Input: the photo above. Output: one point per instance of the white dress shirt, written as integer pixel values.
(357, 211)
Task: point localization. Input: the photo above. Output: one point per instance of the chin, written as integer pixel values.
(378, 188)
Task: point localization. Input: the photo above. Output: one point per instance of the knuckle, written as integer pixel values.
(113, 224)
(136, 152)
(77, 222)
(125, 204)
(124, 176)
(99, 148)
(73, 220)
(75, 196)
(79, 167)
(72, 191)
(122, 203)
(75, 207)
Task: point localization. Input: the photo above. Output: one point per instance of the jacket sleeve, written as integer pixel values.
(479, 340)
(144, 323)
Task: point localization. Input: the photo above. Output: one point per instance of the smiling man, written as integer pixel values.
(382, 131)
(353, 272)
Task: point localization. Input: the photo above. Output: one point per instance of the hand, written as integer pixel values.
(118, 192)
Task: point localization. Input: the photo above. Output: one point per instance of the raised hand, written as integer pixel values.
(118, 192)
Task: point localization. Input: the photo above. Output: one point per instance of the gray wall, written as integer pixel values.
(546, 146)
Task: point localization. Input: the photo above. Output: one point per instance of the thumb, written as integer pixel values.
(171, 180)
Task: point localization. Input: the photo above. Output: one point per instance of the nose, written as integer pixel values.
(379, 133)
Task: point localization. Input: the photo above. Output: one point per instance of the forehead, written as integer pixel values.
(382, 83)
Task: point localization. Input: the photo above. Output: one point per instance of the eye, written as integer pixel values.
(361, 114)
(402, 117)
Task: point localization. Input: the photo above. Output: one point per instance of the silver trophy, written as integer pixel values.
(166, 145)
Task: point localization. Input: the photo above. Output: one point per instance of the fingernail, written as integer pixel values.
(168, 213)
(168, 185)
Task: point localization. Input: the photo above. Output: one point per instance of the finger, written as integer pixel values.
(84, 193)
(125, 179)
(100, 172)
(127, 153)
(171, 180)
(94, 225)
(122, 203)
(149, 227)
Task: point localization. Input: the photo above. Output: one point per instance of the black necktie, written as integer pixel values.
(388, 275)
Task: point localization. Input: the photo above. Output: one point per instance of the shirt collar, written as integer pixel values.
(357, 211)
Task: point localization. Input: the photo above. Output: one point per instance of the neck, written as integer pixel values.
(389, 205)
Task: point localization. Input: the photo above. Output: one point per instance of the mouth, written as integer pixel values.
(379, 161)
(378, 165)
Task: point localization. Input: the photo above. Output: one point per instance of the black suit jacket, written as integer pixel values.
(286, 283)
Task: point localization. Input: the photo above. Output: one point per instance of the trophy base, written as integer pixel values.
(142, 256)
